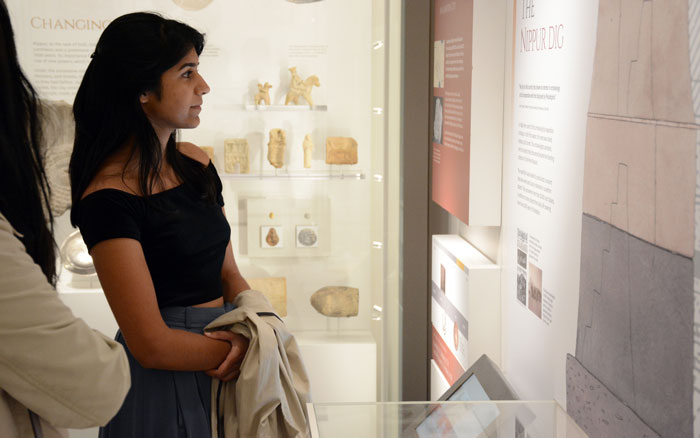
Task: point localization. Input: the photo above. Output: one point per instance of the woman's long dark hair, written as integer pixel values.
(131, 55)
(24, 189)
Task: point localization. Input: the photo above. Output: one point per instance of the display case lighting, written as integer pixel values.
(376, 313)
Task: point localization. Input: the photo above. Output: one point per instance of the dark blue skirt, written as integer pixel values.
(168, 404)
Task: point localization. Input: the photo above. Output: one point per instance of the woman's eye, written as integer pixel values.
(187, 74)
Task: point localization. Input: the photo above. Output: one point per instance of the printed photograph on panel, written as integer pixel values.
(522, 241)
(437, 120)
(522, 259)
(442, 278)
(522, 286)
(439, 64)
(455, 333)
(535, 290)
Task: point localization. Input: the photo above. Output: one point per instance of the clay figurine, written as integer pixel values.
(301, 88)
(263, 95)
(308, 146)
(275, 147)
(236, 155)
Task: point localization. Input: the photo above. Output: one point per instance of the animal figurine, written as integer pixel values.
(301, 88)
(263, 94)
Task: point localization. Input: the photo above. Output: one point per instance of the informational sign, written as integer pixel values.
(553, 44)
(451, 105)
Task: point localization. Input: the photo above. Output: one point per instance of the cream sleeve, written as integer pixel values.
(51, 361)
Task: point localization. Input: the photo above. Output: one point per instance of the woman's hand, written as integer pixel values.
(231, 366)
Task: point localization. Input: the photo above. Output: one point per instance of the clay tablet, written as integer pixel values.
(274, 289)
(236, 155)
(341, 150)
(209, 150)
(336, 301)
(275, 147)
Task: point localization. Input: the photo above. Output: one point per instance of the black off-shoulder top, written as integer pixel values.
(183, 237)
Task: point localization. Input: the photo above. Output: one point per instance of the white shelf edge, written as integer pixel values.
(300, 176)
(270, 108)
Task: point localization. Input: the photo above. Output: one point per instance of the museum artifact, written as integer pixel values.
(192, 5)
(209, 150)
(301, 88)
(306, 236)
(336, 301)
(341, 150)
(274, 289)
(275, 147)
(308, 146)
(263, 95)
(75, 256)
(272, 238)
(236, 155)
(58, 128)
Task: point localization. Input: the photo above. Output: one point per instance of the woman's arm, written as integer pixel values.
(126, 280)
(231, 278)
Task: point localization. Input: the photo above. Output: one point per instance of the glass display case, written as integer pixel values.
(512, 419)
(306, 184)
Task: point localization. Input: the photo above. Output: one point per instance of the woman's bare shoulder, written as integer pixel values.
(193, 151)
(110, 177)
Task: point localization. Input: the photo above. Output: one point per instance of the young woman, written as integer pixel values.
(151, 213)
(55, 372)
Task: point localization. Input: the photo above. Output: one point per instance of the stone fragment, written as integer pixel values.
(308, 150)
(274, 289)
(276, 146)
(272, 238)
(336, 301)
(237, 155)
(341, 150)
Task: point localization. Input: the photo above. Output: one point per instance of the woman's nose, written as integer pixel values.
(203, 87)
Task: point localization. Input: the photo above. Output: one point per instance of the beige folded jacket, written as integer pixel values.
(269, 397)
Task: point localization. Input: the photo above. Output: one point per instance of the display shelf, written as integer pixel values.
(295, 176)
(331, 354)
(270, 108)
(286, 108)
